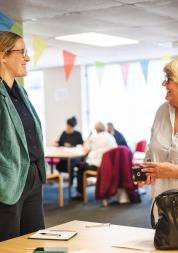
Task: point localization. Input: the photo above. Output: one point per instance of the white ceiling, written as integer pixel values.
(149, 21)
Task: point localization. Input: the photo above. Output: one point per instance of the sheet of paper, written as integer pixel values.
(82, 251)
(48, 234)
(146, 245)
(136, 239)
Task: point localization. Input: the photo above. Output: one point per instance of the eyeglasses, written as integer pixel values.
(167, 78)
(24, 51)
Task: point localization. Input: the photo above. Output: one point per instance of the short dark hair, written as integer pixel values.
(72, 121)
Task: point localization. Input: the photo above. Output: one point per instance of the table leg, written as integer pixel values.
(70, 179)
(52, 163)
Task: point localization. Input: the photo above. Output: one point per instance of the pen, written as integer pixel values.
(98, 225)
(48, 234)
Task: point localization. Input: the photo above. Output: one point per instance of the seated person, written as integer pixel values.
(96, 145)
(117, 135)
(69, 138)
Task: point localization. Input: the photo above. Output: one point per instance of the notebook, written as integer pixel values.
(47, 234)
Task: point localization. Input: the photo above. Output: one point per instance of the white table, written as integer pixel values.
(65, 153)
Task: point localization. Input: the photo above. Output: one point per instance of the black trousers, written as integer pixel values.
(82, 167)
(62, 166)
(26, 215)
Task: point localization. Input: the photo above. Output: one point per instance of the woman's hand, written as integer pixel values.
(149, 180)
(160, 170)
(67, 145)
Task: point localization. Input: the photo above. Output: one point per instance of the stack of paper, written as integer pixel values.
(48, 234)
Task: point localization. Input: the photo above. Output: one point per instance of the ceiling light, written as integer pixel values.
(97, 39)
(165, 44)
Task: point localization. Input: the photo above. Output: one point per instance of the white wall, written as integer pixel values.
(62, 100)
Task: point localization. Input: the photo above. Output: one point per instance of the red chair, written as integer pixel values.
(115, 172)
(139, 153)
(141, 146)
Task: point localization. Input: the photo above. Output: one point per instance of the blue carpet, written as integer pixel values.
(137, 215)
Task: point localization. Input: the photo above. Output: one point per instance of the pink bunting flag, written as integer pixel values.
(125, 70)
(69, 59)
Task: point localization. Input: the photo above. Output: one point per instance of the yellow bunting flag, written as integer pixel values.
(69, 59)
(39, 46)
(20, 80)
(17, 28)
(166, 57)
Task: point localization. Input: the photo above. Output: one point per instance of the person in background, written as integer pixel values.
(163, 146)
(69, 138)
(96, 145)
(22, 164)
(117, 135)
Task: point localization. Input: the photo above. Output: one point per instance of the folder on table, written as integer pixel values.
(47, 234)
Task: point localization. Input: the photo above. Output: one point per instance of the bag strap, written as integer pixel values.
(153, 224)
(174, 213)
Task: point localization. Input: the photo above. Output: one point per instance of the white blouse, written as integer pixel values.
(98, 144)
(163, 146)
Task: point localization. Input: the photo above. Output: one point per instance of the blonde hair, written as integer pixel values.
(171, 70)
(100, 127)
(8, 40)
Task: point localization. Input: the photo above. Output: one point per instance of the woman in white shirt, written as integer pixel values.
(163, 146)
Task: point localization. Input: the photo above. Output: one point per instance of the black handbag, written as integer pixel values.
(166, 228)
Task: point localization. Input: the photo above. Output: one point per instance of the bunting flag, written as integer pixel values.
(39, 46)
(144, 67)
(69, 59)
(125, 70)
(100, 68)
(166, 57)
(17, 28)
(20, 80)
(5, 22)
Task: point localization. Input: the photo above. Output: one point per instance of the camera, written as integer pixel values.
(137, 173)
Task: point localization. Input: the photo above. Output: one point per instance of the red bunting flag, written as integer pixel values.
(69, 59)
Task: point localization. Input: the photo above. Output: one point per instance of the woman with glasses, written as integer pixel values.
(22, 165)
(163, 146)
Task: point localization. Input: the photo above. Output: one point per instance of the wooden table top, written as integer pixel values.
(88, 240)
